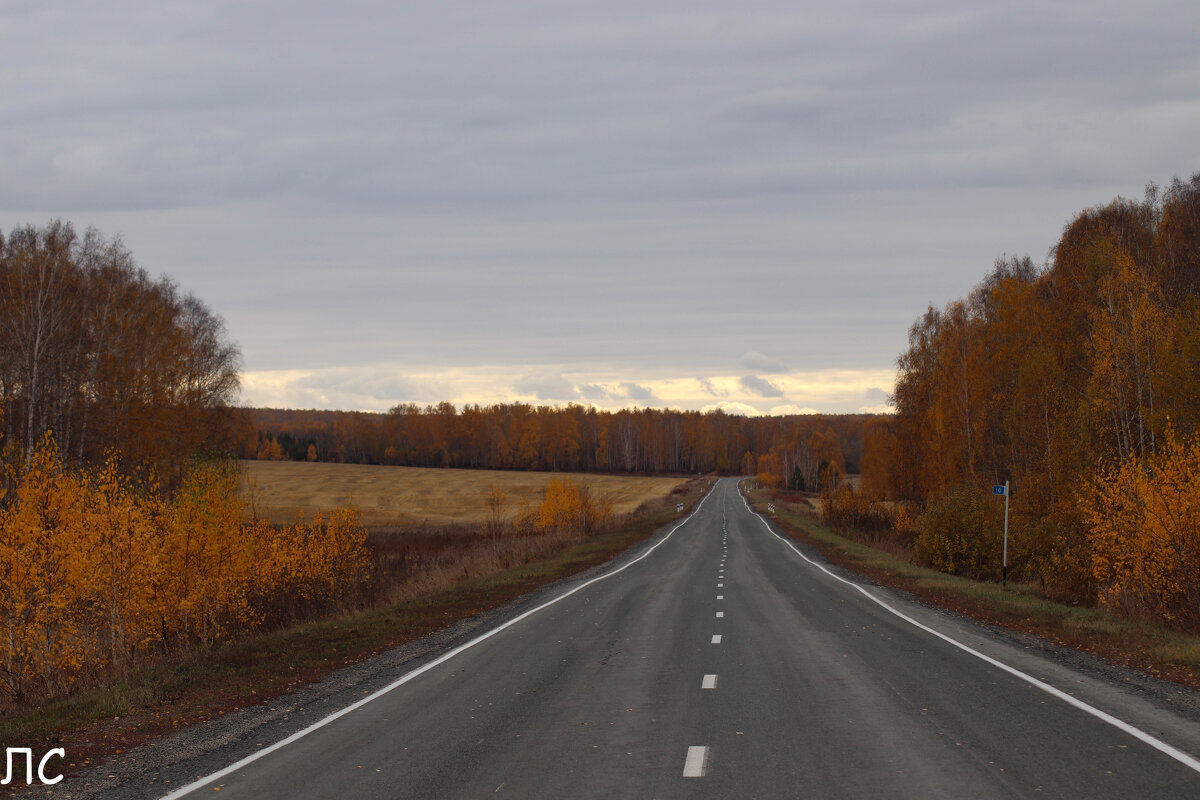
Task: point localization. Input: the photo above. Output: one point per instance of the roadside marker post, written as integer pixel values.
(1004, 491)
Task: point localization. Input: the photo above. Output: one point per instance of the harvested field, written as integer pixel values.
(283, 490)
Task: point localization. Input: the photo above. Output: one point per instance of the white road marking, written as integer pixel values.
(696, 763)
(709, 682)
(716, 638)
(237, 765)
(720, 614)
(720, 586)
(1121, 725)
(720, 597)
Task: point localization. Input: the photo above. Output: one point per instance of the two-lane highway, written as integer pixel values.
(720, 662)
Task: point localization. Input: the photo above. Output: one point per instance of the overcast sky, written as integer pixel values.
(621, 203)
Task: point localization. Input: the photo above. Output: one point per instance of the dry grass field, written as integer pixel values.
(282, 490)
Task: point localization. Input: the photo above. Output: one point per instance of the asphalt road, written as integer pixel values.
(724, 664)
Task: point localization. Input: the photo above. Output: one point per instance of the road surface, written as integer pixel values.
(718, 661)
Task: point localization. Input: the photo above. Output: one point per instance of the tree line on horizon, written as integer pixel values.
(794, 451)
(1078, 382)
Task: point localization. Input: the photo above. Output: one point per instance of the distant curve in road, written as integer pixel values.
(718, 661)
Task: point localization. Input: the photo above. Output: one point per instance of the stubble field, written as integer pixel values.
(281, 491)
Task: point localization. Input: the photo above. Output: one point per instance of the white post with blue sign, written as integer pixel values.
(1004, 491)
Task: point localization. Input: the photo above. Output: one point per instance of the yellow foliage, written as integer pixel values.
(570, 507)
(1143, 520)
(92, 572)
(768, 471)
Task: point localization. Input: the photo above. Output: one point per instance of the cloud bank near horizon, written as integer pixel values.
(379, 388)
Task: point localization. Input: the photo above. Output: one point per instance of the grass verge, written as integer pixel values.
(108, 720)
(1152, 649)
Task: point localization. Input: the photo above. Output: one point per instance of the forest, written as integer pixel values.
(123, 537)
(1079, 382)
(110, 361)
(798, 452)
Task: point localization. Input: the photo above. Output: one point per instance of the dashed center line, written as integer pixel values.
(716, 638)
(720, 614)
(696, 763)
(709, 682)
(720, 597)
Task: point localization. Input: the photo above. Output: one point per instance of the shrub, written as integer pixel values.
(94, 572)
(569, 507)
(1143, 522)
(845, 509)
(961, 532)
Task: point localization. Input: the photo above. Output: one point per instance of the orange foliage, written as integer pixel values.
(768, 471)
(570, 508)
(94, 573)
(573, 438)
(1040, 375)
(106, 358)
(1143, 519)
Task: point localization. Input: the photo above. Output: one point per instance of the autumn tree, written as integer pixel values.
(879, 459)
(1044, 376)
(1144, 526)
(569, 439)
(97, 573)
(105, 357)
(496, 500)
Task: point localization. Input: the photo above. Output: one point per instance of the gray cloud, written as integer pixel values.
(876, 396)
(639, 393)
(488, 112)
(614, 188)
(761, 363)
(759, 386)
(378, 384)
(594, 392)
(707, 387)
(548, 387)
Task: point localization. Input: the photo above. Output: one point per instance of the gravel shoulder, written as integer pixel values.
(160, 766)
(156, 768)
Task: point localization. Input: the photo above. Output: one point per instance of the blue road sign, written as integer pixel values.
(998, 490)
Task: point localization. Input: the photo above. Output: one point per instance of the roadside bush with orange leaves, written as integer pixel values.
(844, 508)
(570, 507)
(1143, 520)
(95, 574)
(860, 515)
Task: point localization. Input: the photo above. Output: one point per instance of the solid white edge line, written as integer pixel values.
(1174, 752)
(201, 782)
(696, 762)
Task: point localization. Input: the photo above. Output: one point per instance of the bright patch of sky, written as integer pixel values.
(654, 203)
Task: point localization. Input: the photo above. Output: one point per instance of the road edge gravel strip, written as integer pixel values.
(251, 733)
(1173, 752)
